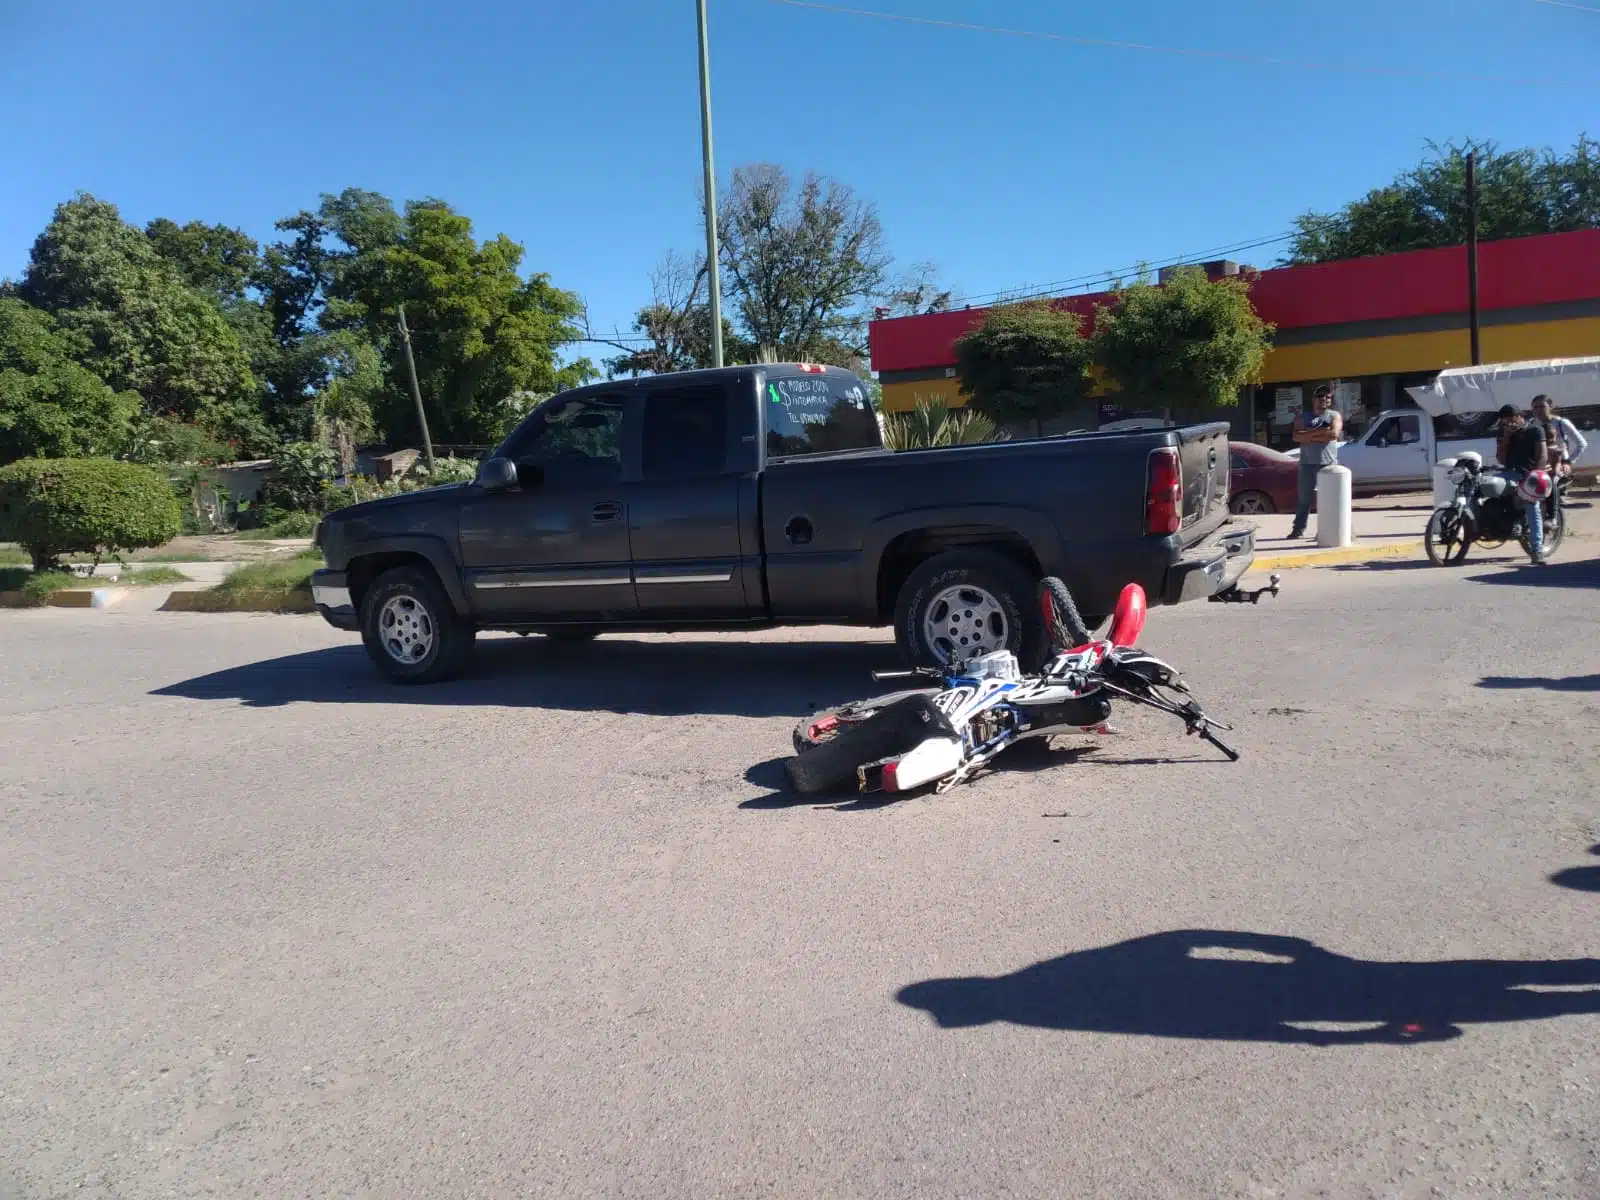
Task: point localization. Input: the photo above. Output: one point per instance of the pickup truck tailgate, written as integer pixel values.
(1203, 456)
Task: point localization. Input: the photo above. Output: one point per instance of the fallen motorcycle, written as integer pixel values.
(944, 734)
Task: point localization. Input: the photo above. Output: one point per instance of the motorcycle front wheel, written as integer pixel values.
(1446, 538)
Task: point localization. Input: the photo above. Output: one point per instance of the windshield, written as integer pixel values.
(812, 414)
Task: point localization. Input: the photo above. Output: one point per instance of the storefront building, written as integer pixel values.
(1371, 327)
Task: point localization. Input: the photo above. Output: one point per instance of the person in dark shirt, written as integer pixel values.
(1522, 449)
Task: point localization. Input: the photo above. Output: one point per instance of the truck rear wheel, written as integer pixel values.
(963, 603)
(411, 632)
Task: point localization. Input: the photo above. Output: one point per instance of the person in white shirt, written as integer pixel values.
(1560, 435)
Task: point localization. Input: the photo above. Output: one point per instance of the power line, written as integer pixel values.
(1030, 291)
(1568, 4)
(1189, 52)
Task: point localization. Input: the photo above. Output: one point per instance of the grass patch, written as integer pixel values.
(290, 575)
(12, 556)
(282, 585)
(36, 585)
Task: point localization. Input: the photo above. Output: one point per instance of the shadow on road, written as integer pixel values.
(1236, 986)
(1571, 683)
(671, 678)
(1579, 879)
(1582, 573)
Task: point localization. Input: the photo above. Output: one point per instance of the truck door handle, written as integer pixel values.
(609, 510)
(798, 531)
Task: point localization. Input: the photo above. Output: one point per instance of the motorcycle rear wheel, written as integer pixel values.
(831, 766)
(1446, 538)
(820, 728)
(1555, 530)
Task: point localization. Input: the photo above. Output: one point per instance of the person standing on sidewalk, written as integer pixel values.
(1522, 449)
(1317, 434)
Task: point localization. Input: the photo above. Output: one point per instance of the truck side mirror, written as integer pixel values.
(497, 475)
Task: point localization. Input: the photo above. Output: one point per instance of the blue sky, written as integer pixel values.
(574, 128)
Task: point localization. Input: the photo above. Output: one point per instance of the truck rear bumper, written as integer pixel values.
(1211, 566)
(330, 592)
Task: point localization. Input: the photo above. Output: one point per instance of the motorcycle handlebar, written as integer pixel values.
(913, 673)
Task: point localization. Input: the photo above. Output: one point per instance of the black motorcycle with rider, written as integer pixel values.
(1519, 501)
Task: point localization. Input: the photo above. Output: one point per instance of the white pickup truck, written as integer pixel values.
(1399, 449)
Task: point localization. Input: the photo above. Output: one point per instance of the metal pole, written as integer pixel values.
(1472, 256)
(416, 391)
(713, 260)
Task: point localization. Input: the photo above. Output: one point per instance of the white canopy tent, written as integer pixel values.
(1570, 382)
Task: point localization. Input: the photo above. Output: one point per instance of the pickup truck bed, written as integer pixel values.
(760, 496)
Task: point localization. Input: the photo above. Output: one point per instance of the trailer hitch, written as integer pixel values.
(1239, 595)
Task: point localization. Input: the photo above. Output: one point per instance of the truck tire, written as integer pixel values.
(411, 632)
(966, 602)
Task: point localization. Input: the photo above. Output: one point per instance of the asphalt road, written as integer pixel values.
(269, 927)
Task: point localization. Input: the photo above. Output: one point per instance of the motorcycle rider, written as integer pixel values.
(1522, 450)
(1561, 436)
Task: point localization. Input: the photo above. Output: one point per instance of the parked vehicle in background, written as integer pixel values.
(1261, 479)
(756, 496)
(1456, 415)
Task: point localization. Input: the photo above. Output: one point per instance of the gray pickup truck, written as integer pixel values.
(750, 497)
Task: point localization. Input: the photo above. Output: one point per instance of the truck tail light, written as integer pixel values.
(1163, 504)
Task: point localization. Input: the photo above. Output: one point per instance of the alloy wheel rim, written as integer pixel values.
(406, 629)
(964, 622)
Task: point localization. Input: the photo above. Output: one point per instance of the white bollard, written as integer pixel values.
(1333, 506)
(1443, 490)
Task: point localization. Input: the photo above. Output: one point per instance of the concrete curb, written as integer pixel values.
(239, 601)
(65, 598)
(1332, 556)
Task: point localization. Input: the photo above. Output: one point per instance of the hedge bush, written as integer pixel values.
(52, 507)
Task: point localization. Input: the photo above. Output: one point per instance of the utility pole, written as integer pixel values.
(713, 257)
(416, 391)
(1472, 255)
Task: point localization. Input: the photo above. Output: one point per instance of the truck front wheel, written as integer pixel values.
(963, 603)
(410, 630)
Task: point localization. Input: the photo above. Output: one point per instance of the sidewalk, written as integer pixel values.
(1376, 533)
(1380, 527)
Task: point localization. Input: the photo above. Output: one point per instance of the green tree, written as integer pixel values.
(50, 407)
(1026, 362)
(141, 327)
(801, 265)
(481, 332)
(1520, 193)
(296, 357)
(1189, 344)
(52, 507)
(215, 259)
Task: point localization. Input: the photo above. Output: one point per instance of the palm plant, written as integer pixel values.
(933, 423)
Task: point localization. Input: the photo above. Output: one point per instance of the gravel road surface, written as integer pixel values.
(271, 927)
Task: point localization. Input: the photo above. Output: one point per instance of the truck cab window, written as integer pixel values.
(1398, 431)
(579, 438)
(685, 433)
(813, 414)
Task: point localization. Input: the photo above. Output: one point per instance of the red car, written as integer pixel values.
(1262, 480)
